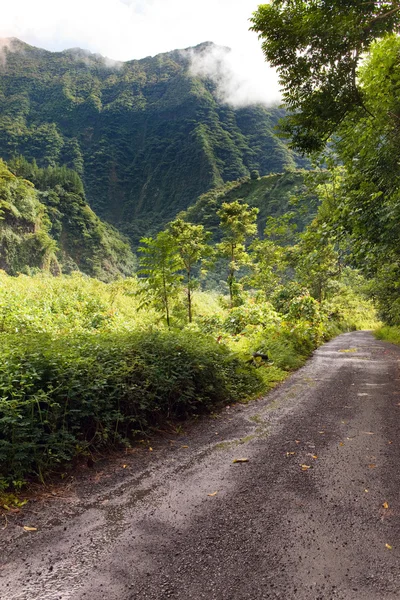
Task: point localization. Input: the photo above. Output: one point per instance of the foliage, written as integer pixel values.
(388, 334)
(238, 223)
(73, 395)
(257, 314)
(316, 48)
(160, 263)
(317, 260)
(69, 304)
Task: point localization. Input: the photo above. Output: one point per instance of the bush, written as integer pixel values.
(389, 334)
(62, 397)
(240, 317)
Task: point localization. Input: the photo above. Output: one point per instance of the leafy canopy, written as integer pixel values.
(316, 46)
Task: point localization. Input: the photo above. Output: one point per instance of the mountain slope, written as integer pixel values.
(274, 195)
(50, 226)
(146, 136)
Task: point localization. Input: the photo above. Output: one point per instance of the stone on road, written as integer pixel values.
(312, 514)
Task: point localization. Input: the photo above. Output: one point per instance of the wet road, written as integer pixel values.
(313, 514)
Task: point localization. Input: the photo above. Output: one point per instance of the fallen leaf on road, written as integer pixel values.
(321, 431)
(348, 350)
(30, 528)
(184, 446)
(240, 460)
(213, 494)
(390, 442)
(388, 546)
(385, 505)
(314, 456)
(372, 466)
(124, 466)
(290, 453)
(366, 490)
(297, 441)
(368, 432)
(150, 449)
(11, 508)
(341, 444)
(305, 467)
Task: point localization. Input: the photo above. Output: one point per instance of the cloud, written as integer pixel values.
(7, 45)
(241, 80)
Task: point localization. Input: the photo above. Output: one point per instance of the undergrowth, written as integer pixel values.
(388, 334)
(83, 369)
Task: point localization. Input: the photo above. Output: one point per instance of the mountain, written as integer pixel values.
(147, 136)
(274, 195)
(49, 225)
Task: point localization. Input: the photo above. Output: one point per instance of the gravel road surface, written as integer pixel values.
(313, 513)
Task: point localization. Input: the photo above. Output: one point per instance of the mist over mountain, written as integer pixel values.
(148, 136)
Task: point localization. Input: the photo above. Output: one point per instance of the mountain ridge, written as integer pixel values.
(147, 137)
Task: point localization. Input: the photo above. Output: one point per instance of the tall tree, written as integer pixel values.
(316, 46)
(270, 256)
(238, 224)
(192, 247)
(160, 264)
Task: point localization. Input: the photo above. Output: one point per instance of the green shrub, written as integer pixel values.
(389, 334)
(70, 395)
(240, 317)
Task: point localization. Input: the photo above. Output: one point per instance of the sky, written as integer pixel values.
(132, 29)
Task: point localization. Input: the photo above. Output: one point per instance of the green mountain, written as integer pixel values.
(49, 225)
(274, 195)
(146, 136)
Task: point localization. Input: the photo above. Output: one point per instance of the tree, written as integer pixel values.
(316, 46)
(268, 264)
(270, 255)
(160, 264)
(238, 223)
(192, 247)
(317, 260)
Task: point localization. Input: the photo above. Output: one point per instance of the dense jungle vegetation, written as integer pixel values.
(46, 223)
(247, 276)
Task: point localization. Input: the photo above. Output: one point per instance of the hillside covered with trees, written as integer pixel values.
(46, 224)
(146, 136)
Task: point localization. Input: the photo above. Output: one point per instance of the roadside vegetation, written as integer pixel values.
(87, 365)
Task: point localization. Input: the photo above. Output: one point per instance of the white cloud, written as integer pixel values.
(127, 29)
(241, 78)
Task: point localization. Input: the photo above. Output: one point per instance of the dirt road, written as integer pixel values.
(313, 513)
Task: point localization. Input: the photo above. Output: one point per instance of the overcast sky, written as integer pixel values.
(128, 29)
